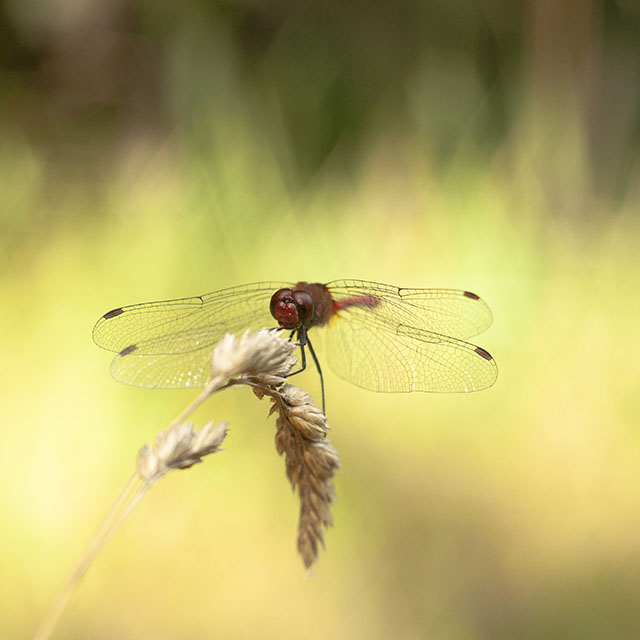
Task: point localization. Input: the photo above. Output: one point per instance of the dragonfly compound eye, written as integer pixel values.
(284, 309)
(304, 303)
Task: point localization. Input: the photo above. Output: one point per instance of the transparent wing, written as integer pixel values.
(409, 359)
(174, 371)
(395, 340)
(451, 312)
(168, 344)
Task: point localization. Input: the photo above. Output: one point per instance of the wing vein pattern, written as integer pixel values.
(168, 344)
(402, 340)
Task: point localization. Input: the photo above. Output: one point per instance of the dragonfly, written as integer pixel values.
(378, 336)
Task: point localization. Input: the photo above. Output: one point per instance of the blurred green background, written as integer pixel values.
(155, 150)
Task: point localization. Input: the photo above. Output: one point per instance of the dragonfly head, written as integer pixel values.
(292, 309)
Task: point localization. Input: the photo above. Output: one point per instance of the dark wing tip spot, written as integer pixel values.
(113, 313)
(131, 348)
(471, 295)
(485, 354)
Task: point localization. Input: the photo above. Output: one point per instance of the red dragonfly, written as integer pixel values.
(378, 336)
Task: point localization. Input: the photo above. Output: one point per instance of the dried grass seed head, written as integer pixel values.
(311, 463)
(179, 448)
(265, 351)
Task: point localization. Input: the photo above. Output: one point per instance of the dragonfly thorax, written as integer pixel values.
(292, 309)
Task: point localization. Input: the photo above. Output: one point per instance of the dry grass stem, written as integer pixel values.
(178, 447)
(262, 360)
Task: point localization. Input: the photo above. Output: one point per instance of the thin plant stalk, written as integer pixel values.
(261, 360)
(127, 500)
(102, 535)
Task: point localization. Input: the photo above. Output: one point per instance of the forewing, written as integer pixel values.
(450, 312)
(368, 352)
(168, 344)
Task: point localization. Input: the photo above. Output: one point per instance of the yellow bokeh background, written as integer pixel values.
(510, 513)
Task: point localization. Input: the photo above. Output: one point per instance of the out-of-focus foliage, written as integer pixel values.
(153, 150)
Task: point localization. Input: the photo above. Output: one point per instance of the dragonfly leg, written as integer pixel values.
(315, 359)
(302, 337)
(305, 342)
